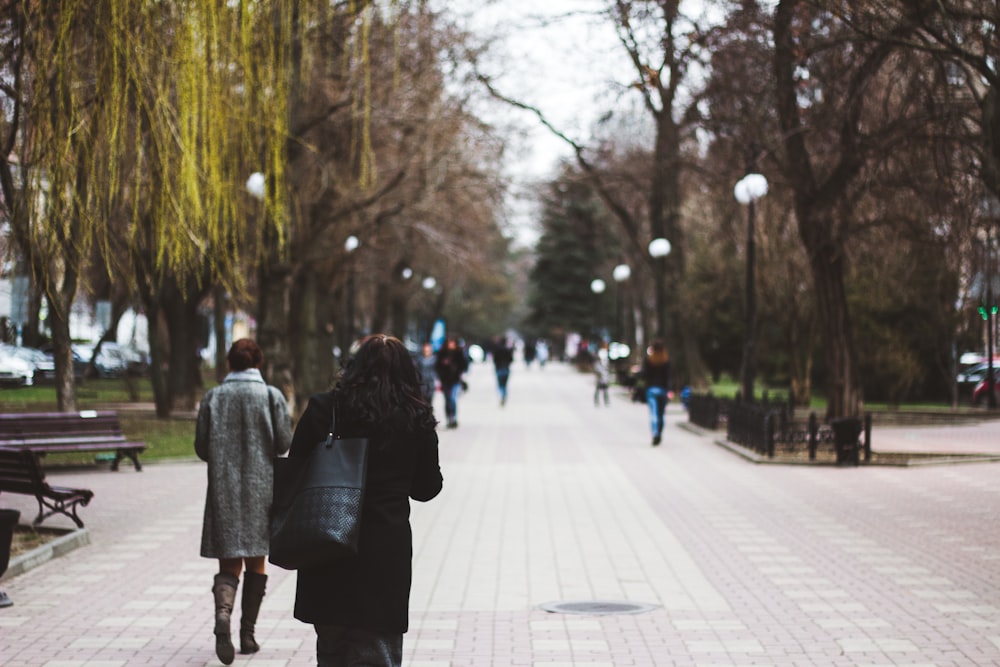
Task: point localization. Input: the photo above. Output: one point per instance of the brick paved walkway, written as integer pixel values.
(550, 499)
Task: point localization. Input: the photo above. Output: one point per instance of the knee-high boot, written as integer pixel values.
(225, 596)
(253, 593)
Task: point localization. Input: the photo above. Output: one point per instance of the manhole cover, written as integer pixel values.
(597, 607)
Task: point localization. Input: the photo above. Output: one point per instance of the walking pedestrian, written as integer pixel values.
(428, 376)
(359, 605)
(450, 366)
(542, 352)
(530, 350)
(243, 424)
(602, 374)
(655, 373)
(503, 357)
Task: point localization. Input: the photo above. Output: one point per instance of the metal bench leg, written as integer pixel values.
(129, 453)
(56, 508)
(123, 453)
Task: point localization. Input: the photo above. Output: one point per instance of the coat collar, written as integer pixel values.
(248, 375)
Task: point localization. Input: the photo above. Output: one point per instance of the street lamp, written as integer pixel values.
(597, 286)
(748, 190)
(620, 273)
(659, 248)
(255, 185)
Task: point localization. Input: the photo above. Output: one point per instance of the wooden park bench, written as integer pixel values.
(20, 472)
(84, 431)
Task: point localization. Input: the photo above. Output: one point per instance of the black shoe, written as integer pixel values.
(5, 601)
(656, 440)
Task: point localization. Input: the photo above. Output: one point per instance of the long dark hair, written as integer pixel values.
(380, 385)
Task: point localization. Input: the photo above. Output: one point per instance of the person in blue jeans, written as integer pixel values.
(450, 366)
(656, 376)
(503, 356)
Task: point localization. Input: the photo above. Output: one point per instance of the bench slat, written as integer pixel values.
(84, 431)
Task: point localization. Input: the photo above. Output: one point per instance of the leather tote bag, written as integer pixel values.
(316, 511)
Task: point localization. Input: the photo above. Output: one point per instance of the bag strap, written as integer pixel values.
(333, 418)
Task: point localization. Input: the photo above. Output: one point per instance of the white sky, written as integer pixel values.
(557, 56)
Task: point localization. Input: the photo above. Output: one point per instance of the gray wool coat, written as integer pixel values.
(243, 424)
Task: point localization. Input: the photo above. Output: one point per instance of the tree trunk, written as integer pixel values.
(219, 308)
(273, 328)
(62, 353)
(158, 355)
(313, 339)
(813, 204)
(844, 397)
(31, 331)
(664, 220)
(180, 311)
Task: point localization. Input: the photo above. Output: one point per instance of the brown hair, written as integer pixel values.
(658, 353)
(244, 354)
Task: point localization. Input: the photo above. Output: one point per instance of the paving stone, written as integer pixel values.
(547, 500)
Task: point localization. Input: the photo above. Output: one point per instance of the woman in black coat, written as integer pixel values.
(360, 605)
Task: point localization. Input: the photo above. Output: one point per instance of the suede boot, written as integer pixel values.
(253, 592)
(225, 596)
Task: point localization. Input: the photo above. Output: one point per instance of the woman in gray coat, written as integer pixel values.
(242, 425)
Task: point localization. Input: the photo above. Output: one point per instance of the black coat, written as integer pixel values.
(370, 591)
(450, 366)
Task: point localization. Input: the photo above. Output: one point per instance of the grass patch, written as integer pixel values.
(164, 438)
(90, 395)
(27, 537)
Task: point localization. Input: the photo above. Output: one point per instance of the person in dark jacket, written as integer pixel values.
(656, 376)
(359, 605)
(503, 357)
(242, 425)
(450, 366)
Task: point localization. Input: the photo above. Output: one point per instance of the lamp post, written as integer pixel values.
(748, 190)
(621, 273)
(351, 244)
(429, 283)
(597, 287)
(659, 248)
(988, 313)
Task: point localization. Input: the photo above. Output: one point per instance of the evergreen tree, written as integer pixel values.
(576, 246)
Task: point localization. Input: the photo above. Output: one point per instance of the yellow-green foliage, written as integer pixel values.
(154, 113)
(147, 117)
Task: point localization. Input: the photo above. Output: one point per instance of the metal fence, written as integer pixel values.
(771, 429)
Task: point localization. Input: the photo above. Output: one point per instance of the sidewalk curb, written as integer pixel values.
(46, 552)
(896, 459)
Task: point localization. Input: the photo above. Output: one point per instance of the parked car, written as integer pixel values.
(976, 373)
(113, 360)
(79, 363)
(15, 371)
(44, 364)
(980, 395)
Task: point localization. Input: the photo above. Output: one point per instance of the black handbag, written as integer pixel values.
(316, 511)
